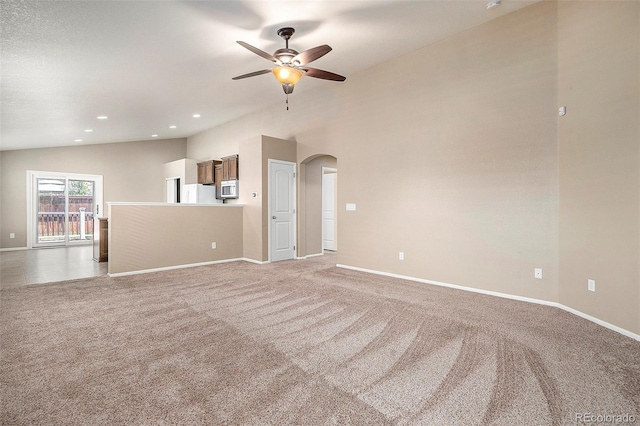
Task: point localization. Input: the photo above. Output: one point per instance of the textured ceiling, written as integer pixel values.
(151, 64)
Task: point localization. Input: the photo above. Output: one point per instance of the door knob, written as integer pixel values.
(273, 217)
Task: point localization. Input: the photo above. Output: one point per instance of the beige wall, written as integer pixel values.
(226, 144)
(143, 237)
(254, 155)
(599, 138)
(132, 172)
(457, 166)
(250, 180)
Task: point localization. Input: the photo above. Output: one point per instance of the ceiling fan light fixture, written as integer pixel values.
(287, 75)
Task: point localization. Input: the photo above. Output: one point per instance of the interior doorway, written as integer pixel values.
(329, 209)
(61, 208)
(319, 205)
(173, 190)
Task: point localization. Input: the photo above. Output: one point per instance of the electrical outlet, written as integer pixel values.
(12, 235)
(537, 272)
(401, 255)
(591, 285)
(214, 246)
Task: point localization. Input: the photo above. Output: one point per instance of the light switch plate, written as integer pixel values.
(351, 207)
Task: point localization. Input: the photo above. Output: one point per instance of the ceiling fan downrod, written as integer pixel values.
(286, 34)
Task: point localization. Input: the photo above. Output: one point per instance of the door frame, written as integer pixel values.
(294, 237)
(32, 210)
(328, 170)
(177, 188)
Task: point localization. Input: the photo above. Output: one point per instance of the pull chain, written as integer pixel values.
(287, 102)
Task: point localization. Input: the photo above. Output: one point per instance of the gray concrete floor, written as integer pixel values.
(37, 266)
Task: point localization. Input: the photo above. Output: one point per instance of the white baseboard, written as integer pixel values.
(13, 248)
(503, 295)
(257, 262)
(600, 322)
(169, 268)
(309, 255)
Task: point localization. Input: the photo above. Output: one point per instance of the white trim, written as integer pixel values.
(328, 170)
(184, 266)
(309, 255)
(600, 322)
(503, 295)
(257, 262)
(179, 189)
(13, 248)
(141, 203)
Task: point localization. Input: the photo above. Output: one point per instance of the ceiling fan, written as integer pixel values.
(291, 65)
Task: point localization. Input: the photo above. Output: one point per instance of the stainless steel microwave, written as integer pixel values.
(229, 189)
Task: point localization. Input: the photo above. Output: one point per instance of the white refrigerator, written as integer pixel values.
(199, 194)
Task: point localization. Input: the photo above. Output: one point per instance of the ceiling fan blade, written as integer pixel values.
(311, 55)
(325, 75)
(251, 74)
(257, 51)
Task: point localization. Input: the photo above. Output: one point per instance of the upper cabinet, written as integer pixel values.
(217, 171)
(206, 175)
(211, 172)
(230, 167)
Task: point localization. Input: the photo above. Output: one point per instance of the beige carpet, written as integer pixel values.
(301, 342)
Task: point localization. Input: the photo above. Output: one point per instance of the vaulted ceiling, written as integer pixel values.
(149, 65)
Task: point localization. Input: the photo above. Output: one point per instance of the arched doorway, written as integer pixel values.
(317, 221)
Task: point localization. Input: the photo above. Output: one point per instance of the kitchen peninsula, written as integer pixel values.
(145, 237)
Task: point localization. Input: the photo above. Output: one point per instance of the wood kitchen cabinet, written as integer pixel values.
(230, 167)
(217, 171)
(101, 240)
(206, 175)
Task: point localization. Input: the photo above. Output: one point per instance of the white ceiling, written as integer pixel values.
(151, 64)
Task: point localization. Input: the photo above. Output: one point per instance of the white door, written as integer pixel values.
(329, 217)
(282, 212)
(173, 190)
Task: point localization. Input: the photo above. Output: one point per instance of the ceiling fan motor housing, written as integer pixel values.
(285, 55)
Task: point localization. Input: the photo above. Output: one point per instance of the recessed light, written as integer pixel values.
(196, 115)
(78, 140)
(88, 131)
(102, 117)
(154, 136)
(173, 126)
